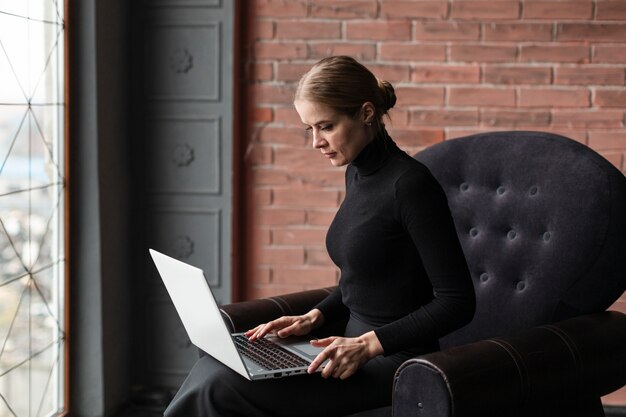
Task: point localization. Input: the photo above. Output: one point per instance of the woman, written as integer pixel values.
(404, 280)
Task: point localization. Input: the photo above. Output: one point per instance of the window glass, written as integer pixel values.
(32, 260)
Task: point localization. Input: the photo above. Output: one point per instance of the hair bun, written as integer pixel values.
(388, 94)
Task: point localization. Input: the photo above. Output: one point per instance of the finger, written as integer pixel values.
(323, 342)
(319, 359)
(289, 330)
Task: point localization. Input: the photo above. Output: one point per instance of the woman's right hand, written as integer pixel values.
(288, 325)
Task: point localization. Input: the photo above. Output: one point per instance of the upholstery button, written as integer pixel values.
(484, 277)
(473, 232)
(511, 235)
(464, 186)
(520, 286)
(501, 190)
(546, 236)
(533, 190)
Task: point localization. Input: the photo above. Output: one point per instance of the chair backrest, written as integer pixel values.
(542, 222)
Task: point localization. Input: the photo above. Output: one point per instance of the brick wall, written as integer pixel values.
(459, 67)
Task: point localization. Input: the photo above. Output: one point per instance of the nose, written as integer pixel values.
(318, 141)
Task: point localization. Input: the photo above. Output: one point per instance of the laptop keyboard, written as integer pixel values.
(267, 354)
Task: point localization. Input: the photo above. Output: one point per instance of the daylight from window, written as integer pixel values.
(32, 259)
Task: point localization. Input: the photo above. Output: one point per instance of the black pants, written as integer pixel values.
(214, 390)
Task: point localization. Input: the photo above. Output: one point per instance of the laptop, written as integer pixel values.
(270, 357)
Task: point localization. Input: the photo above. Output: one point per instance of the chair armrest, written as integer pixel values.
(571, 362)
(245, 315)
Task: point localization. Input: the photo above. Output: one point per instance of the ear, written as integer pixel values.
(368, 112)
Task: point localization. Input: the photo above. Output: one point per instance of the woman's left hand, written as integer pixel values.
(345, 354)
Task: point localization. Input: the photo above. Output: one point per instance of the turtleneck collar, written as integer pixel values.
(374, 155)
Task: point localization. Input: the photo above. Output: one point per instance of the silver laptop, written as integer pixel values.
(271, 357)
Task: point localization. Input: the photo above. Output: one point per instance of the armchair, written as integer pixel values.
(542, 222)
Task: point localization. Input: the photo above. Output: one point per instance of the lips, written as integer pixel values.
(330, 154)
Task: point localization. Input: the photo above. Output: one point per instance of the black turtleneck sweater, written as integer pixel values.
(393, 238)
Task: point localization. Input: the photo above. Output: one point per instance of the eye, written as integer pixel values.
(307, 131)
(326, 128)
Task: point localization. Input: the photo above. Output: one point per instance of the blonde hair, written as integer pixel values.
(344, 84)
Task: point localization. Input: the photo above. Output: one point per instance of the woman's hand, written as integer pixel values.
(345, 355)
(288, 325)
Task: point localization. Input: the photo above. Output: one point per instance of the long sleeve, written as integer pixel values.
(423, 210)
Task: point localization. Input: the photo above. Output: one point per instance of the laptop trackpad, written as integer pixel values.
(300, 345)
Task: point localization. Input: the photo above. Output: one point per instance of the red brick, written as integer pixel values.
(397, 117)
(261, 237)
(269, 176)
(281, 256)
(477, 10)
(291, 72)
(611, 10)
(515, 118)
(259, 155)
(276, 134)
(360, 51)
(525, 32)
(420, 96)
(589, 75)
(311, 275)
(308, 30)
(278, 8)
(398, 30)
(261, 275)
(443, 118)
(412, 52)
(610, 98)
(320, 218)
(288, 116)
(391, 73)
(607, 140)
(260, 72)
(615, 158)
(587, 119)
(591, 32)
(579, 9)
(261, 29)
(577, 135)
(344, 9)
(416, 137)
(318, 257)
(544, 97)
(282, 50)
(414, 10)
(517, 75)
(262, 196)
(446, 31)
(554, 53)
(483, 53)
(291, 236)
(300, 158)
(323, 178)
(453, 133)
(447, 74)
(305, 198)
(609, 53)
(272, 93)
(479, 96)
(262, 114)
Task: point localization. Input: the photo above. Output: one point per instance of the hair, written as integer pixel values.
(344, 84)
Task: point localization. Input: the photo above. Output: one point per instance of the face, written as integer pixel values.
(339, 137)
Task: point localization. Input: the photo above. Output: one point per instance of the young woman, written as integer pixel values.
(404, 280)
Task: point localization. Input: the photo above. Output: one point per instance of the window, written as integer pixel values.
(32, 243)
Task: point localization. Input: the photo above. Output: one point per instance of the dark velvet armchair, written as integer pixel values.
(542, 222)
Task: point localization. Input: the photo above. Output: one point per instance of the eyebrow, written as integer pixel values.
(320, 122)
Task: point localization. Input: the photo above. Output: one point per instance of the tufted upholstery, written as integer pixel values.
(542, 222)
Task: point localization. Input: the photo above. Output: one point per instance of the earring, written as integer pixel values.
(369, 123)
